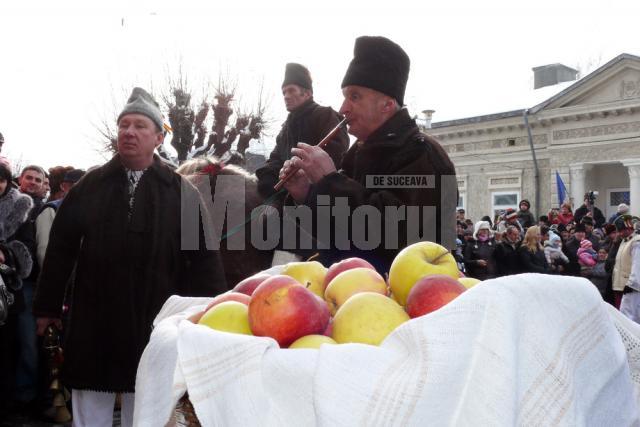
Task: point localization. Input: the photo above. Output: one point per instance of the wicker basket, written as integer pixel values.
(184, 414)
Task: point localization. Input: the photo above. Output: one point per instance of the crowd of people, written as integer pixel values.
(28, 204)
(564, 242)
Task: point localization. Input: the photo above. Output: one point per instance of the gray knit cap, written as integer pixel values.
(140, 102)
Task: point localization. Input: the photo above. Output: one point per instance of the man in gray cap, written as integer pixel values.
(119, 229)
(389, 145)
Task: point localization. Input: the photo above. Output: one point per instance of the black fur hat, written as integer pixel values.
(297, 74)
(379, 64)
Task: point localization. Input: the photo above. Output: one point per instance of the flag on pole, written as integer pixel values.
(562, 190)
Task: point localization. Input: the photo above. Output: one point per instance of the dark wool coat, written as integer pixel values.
(309, 123)
(526, 219)
(598, 217)
(533, 262)
(475, 251)
(396, 148)
(507, 259)
(125, 270)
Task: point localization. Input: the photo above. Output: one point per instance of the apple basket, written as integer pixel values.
(519, 350)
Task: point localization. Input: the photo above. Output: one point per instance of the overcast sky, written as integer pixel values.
(64, 64)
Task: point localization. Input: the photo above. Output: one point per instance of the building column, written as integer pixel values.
(576, 172)
(633, 166)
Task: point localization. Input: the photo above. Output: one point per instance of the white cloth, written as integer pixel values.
(634, 277)
(44, 221)
(95, 408)
(630, 306)
(519, 350)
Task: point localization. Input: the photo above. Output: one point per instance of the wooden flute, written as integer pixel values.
(321, 144)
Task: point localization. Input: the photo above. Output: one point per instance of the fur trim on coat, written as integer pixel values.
(14, 210)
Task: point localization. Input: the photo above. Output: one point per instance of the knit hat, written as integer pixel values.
(585, 244)
(623, 208)
(526, 202)
(623, 222)
(379, 64)
(481, 225)
(609, 228)
(553, 237)
(140, 102)
(297, 74)
(580, 228)
(73, 175)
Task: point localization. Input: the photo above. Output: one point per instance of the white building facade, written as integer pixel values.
(588, 133)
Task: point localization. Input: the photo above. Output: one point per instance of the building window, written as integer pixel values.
(511, 142)
(461, 201)
(617, 197)
(502, 200)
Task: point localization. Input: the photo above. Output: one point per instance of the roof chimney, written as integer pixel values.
(428, 114)
(549, 75)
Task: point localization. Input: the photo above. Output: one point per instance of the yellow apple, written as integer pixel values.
(367, 318)
(351, 282)
(468, 282)
(229, 316)
(309, 273)
(312, 341)
(416, 261)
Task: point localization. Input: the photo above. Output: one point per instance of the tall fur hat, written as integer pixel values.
(623, 222)
(297, 74)
(379, 64)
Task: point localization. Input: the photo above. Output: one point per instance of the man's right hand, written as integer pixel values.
(298, 185)
(43, 322)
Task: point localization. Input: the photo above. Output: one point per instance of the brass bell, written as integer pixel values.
(62, 415)
(58, 400)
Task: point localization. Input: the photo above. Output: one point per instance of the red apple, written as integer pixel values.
(344, 265)
(248, 285)
(283, 309)
(432, 292)
(229, 296)
(329, 329)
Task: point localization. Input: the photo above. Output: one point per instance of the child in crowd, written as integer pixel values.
(553, 252)
(587, 257)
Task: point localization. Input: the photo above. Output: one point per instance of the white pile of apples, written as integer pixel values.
(309, 305)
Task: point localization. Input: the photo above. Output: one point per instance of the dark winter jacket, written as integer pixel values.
(598, 276)
(598, 217)
(571, 251)
(507, 259)
(125, 270)
(309, 123)
(533, 262)
(396, 148)
(475, 251)
(526, 219)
